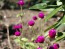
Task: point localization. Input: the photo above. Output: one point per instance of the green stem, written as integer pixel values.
(21, 9)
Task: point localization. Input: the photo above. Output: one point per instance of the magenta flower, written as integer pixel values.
(39, 48)
(17, 33)
(50, 47)
(52, 33)
(56, 46)
(34, 18)
(18, 26)
(41, 15)
(40, 39)
(31, 23)
(21, 2)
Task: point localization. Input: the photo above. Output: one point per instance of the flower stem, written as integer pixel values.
(9, 38)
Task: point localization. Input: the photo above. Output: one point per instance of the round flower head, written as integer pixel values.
(31, 23)
(18, 26)
(41, 15)
(17, 33)
(40, 39)
(39, 48)
(56, 46)
(21, 2)
(50, 47)
(34, 18)
(52, 33)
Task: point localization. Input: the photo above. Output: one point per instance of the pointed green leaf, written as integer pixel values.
(51, 27)
(63, 20)
(57, 24)
(52, 13)
(39, 6)
(24, 39)
(59, 38)
(20, 14)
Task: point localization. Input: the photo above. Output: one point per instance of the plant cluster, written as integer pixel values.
(50, 33)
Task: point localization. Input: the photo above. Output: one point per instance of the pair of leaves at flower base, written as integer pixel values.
(20, 14)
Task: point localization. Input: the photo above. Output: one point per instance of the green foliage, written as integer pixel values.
(59, 34)
(56, 24)
(25, 43)
(51, 27)
(20, 14)
(59, 38)
(52, 13)
(39, 6)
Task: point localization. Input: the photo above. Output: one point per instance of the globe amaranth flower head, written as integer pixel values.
(18, 26)
(52, 33)
(39, 47)
(31, 22)
(50, 47)
(34, 17)
(41, 15)
(56, 46)
(20, 2)
(40, 39)
(17, 33)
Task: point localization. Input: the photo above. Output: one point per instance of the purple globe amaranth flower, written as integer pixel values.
(34, 18)
(52, 33)
(40, 39)
(56, 46)
(21, 2)
(41, 15)
(31, 22)
(18, 26)
(39, 48)
(17, 33)
(50, 47)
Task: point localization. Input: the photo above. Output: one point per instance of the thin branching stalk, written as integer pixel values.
(10, 46)
(7, 26)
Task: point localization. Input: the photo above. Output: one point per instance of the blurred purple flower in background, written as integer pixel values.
(34, 17)
(39, 48)
(56, 46)
(21, 2)
(40, 39)
(51, 47)
(18, 26)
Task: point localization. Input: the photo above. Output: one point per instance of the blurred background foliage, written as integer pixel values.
(11, 4)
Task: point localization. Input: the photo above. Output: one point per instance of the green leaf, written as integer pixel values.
(31, 44)
(52, 13)
(63, 20)
(59, 34)
(61, 26)
(17, 40)
(51, 27)
(20, 14)
(57, 24)
(39, 6)
(50, 9)
(24, 39)
(59, 38)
